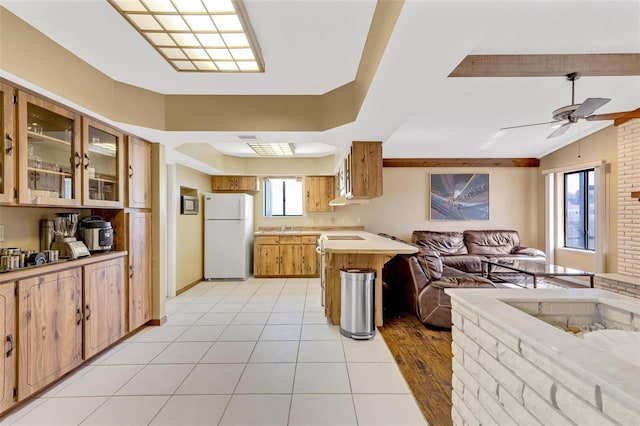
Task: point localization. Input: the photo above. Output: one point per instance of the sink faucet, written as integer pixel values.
(283, 227)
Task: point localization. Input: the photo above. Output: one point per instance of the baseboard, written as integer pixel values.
(188, 286)
(157, 322)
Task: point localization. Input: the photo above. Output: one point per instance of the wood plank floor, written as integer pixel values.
(424, 357)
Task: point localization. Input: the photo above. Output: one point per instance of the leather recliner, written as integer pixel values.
(422, 278)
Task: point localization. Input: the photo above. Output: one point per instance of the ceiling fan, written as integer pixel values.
(570, 114)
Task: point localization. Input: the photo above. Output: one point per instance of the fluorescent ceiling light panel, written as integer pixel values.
(199, 29)
(273, 149)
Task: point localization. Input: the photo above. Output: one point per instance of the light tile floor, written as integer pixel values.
(255, 352)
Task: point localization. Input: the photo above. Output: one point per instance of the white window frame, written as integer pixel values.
(266, 211)
(554, 211)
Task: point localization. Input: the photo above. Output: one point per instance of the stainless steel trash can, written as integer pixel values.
(356, 304)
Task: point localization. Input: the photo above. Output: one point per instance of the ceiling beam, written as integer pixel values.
(630, 116)
(593, 64)
(460, 162)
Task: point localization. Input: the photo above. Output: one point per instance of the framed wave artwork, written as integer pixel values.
(459, 196)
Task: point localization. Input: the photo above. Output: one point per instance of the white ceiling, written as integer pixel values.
(313, 46)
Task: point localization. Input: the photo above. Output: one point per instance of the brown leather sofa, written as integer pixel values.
(465, 250)
(422, 278)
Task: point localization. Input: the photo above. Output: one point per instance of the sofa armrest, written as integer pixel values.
(528, 251)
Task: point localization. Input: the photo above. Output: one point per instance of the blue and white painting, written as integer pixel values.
(460, 196)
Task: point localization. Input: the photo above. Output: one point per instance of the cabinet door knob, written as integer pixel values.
(10, 342)
(130, 271)
(130, 171)
(87, 161)
(79, 316)
(88, 311)
(78, 160)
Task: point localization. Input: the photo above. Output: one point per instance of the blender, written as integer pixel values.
(64, 229)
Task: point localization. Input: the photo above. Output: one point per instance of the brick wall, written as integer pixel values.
(622, 284)
(628, 208)
(501, 379)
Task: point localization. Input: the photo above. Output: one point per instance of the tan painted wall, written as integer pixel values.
(601, 145)
(22, 224)
(190, 229)
(404, 207)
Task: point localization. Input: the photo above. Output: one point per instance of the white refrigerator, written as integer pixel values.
(228, 236)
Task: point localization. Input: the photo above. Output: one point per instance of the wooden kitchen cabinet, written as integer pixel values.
(290, 256)
(319, 190)
(360, 175)
(49, 327)
(363, 170)
(310, 258)
(248, 184)
(8, 335)
(49, 154)
(139, 173)
(104, 305)
(139, 259)
(266, 256)
(285, 256)
(8, 146)
(102, 165)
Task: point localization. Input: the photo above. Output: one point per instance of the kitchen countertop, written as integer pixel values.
(32, 271)
(370, 243)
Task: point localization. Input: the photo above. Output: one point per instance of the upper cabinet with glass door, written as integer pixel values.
(7, 151)
(49, 161)
(103, 165)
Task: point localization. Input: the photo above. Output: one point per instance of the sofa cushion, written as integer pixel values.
(491, 242)
(431, 263)
(470, 263)
(446, 243)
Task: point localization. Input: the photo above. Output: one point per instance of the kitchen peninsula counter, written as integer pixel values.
(370, 251)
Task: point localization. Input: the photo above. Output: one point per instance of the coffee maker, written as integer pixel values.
(64, 229)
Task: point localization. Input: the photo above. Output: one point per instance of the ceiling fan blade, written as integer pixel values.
(589, 106)
(529, 125)
(560, 130)
(615, 115)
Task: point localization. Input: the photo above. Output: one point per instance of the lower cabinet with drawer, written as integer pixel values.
(285, 256)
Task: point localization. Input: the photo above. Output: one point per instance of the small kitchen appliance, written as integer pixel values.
(96, 233)
(64, 228)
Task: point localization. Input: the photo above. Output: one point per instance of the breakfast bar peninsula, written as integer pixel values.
(355, 249)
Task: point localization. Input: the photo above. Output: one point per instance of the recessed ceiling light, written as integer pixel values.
(198, 28)
(273, 149)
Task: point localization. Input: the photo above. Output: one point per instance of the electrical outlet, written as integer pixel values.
(357, 220)
(1, 232)
(333, 220)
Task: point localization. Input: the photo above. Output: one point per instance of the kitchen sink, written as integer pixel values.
(344, 237)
